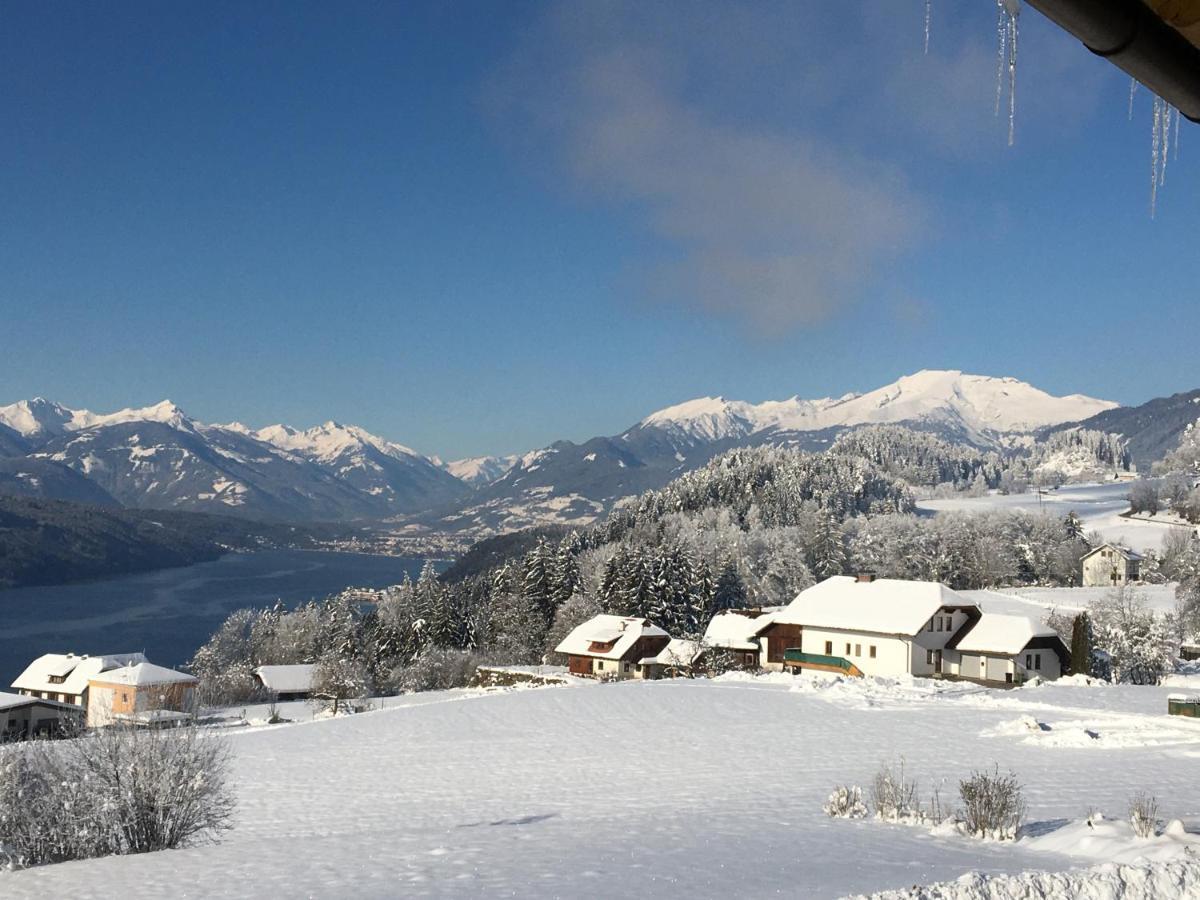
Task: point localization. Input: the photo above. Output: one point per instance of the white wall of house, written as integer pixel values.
(615, 669)
(891, 652)
(1106, 567)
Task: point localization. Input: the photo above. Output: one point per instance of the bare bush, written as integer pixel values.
(992, 806)
(846, 802)
(893, 794)
(113, 791)
(1143, 814)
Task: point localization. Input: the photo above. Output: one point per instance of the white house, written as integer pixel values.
(867, 626)
(612, 647)
(1009, 649)
(1111, 565)
(879, 626)
(291, 682)
(64, 677)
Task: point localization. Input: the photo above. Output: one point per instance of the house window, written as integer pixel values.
(829, 648)
(858, 649)
(931, 624)
(1029, 660)
(57, 679)
(847, 648)
(929, 657)
(872, 651)
(1037, 661)
(124, 698)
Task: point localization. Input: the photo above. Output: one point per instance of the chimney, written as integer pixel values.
(865, 577)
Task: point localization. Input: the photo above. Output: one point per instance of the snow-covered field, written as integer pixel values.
(673, 788)
(1099, 506)
(1037, 601)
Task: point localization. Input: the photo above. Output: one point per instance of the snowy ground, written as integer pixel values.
(657, 789)
(1099, 506)
(1037, 601)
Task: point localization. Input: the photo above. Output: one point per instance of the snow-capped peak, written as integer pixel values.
(39, 418)
(479, 470)
(328, 441)
(164, 412)
(979, 403)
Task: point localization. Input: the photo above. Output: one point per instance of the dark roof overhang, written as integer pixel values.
(1133, 37)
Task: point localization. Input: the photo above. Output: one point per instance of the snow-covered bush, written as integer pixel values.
(992, 806)
(435, 670)
(894, 794)
(113, 791)
(1143, 814)
(1135, 640)
(340, 684)
(846, 802)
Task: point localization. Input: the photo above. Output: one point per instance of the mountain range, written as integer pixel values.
(158, 457)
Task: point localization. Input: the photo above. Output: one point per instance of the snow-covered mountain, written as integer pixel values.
(568, 482)
(479, 470)
(160, 458)
(978, 405)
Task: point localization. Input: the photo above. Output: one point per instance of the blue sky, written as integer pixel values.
(479, 227)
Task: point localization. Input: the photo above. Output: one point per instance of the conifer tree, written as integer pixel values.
(1081, 645)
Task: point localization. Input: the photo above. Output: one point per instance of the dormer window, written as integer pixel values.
(57, 679)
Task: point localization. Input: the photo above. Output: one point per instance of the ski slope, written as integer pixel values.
(670, 788)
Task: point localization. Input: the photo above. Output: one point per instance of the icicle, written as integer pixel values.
(928, 20)
(1014, 8)
(1156, 134)
(1001, 52)
(1177, 130)
(1166, 142)
(1132, 90)
(1006, 59)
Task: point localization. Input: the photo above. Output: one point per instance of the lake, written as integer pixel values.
(169, 613)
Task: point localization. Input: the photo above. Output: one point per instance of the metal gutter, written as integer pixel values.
(1129, 35)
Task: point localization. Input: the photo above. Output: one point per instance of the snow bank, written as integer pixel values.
(1148, 881)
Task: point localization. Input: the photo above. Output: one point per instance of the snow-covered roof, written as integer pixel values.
(678, 652)
(735, 631)
(75, 671)
(1119, 548)
(882, 606)
(1006, 635)
(293, 679)
(622, 632)
(16, 701)
(144, 673)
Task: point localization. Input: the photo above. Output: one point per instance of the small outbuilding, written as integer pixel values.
(23, 717)
(141, 694)
(291, 682)
(999, 649)
(1111, 565)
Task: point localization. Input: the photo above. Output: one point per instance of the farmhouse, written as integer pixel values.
(141, 694)
(64, 677)
(24, 717)
(875, 626)
(612, 647)
(1009, 649)
(867, 626)
(292, 682)
(1110, 565)
(679, 657)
